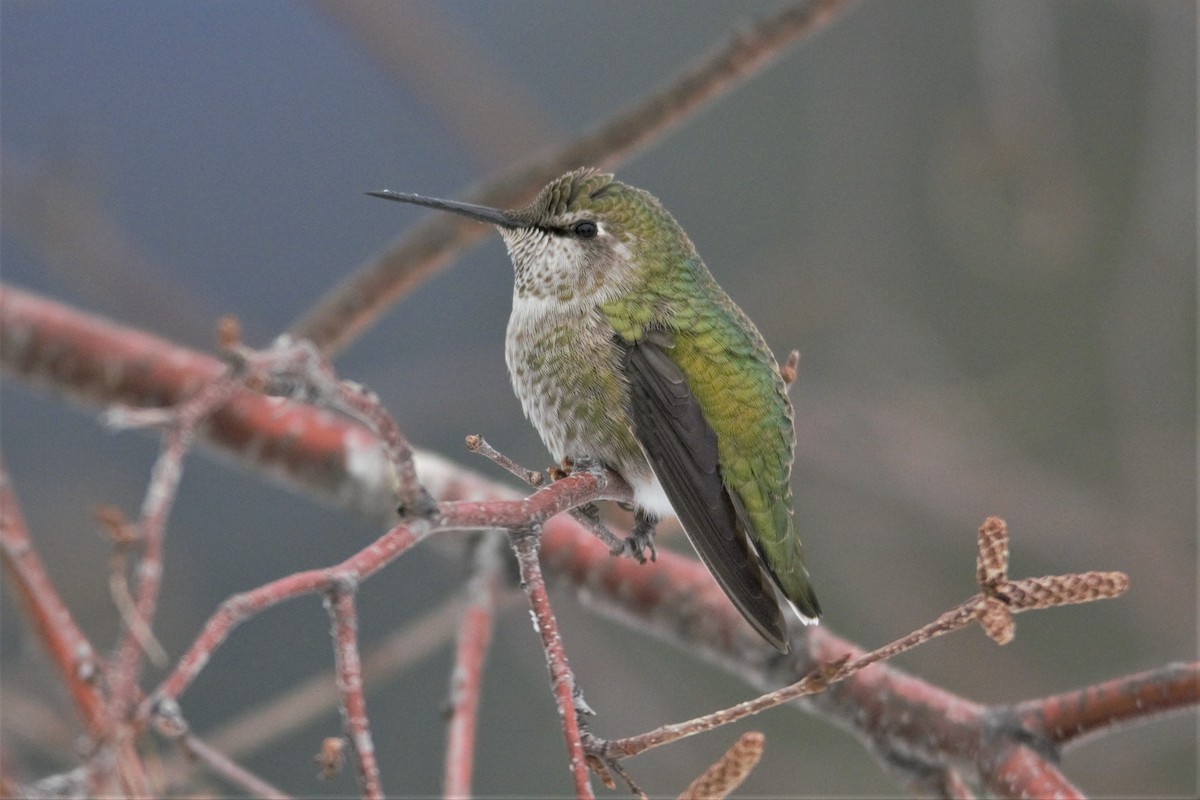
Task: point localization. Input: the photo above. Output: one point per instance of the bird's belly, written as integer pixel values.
(566, 372)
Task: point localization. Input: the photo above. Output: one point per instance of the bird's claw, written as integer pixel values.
(641, 538)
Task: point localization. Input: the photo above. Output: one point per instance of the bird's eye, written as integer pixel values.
(585, 229)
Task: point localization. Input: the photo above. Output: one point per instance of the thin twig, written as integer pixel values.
(474, 638)
(69, 650)
(124, 536)
(181, 423)
(536, 509)
(339, 597)
(308, 700)
(993, 539)
(346, 311)
(525, 543)
(477, 444)
(297, 369)
(120, 769)
(587, 515)
(229, 769)
(237, 609)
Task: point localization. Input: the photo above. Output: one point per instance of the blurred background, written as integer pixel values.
(976, 220)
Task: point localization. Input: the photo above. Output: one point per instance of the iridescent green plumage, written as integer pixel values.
(623, 348)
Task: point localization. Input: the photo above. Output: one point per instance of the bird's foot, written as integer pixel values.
(571, 466)
(641, 538)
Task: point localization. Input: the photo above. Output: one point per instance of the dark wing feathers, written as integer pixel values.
(682, 449)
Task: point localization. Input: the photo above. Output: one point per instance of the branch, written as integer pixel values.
(296, 369)
(69, 650)
(1072, 717)
(526, 545)
(314, 453)
(474, 638)
(237, 609)
(991, 609)
(181, 423)
(303, 703)
(339, 600)
(230, 770)
(79, 668)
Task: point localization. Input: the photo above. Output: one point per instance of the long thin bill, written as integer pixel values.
(493, 216)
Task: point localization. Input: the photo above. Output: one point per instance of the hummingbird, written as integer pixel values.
(624, 352)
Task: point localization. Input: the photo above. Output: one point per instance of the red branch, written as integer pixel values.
(1071, 717)
(69, 650)
(526, 544)
(80, 669)
(181, 422)
(474, 638)
(536, 509)
(340, 601)
(96, 362)
(242, 606)
(230, 770)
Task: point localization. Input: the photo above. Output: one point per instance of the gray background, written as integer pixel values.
(975, 220)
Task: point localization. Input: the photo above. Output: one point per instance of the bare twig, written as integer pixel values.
(544, 504)
(181, 423)
(525, 543)
(229, 769)
(241, 607)
(297, 369)
(587, 515)
(474, 638)
(69, 650)
(339, 597)
(80, 669)
(345, 312)
(477, 444)
(1010, 596)
(304, 702)
(124, 535)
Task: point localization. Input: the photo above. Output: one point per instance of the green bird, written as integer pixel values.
(623, 350)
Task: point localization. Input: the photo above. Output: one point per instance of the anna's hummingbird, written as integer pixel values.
(623, 349)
